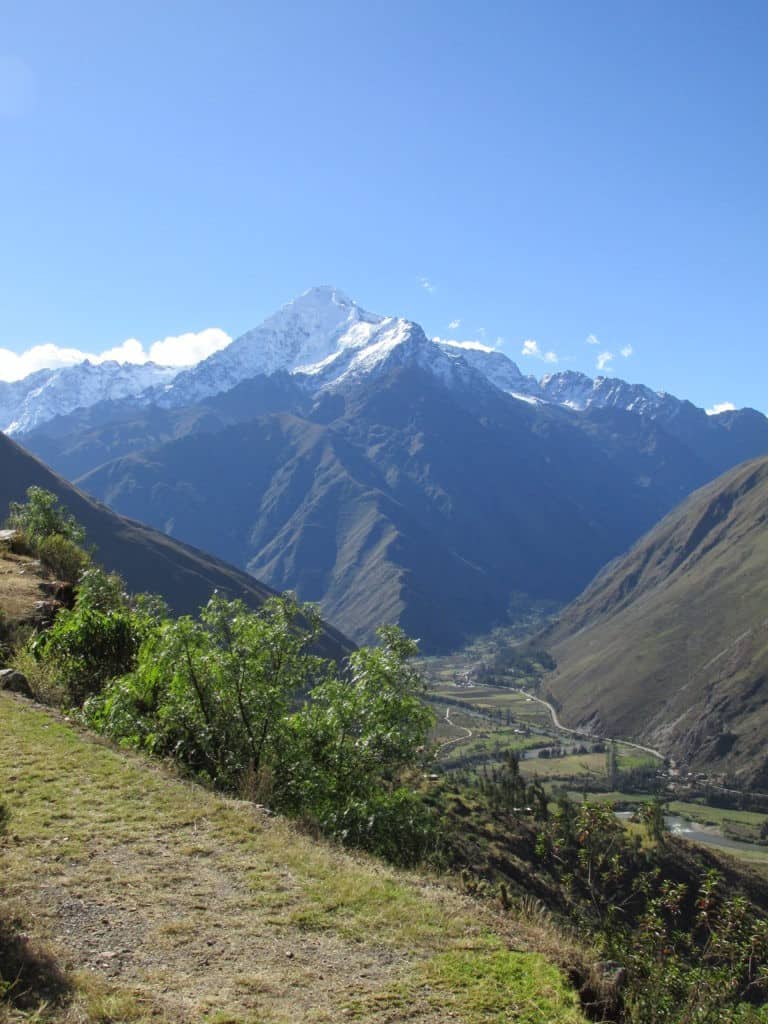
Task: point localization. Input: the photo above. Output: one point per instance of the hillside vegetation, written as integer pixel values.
(159, 901)
(669, 645)
(119, 869)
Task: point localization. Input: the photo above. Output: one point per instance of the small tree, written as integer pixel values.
(43, 516)
(653, 817)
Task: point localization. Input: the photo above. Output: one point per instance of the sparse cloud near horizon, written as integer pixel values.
(604, 360)
(531, 348)
(427, 285)
(178, 350)
(627, 351)
(454, 325)
(592, 340)
(719, 407)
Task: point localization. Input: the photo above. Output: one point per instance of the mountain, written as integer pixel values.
(669, 644)
(416, 492)
(148, 560)
(320, 323)
(25, 404)
(390, 476)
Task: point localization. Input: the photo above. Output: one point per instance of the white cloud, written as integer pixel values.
(627, 351)
(454, 325)
(471, 345)
(190, 348)
(531, 348)
(592, 340)
(181, 350)
(604, 359)
(719, 407)
(426, 284)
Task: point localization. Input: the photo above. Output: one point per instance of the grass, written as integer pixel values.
(162, 902)
(573, 766)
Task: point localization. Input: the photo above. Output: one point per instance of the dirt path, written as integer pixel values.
(447, 744)
(190, 907)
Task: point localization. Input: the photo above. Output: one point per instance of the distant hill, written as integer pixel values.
(148, 560)
(669, 644)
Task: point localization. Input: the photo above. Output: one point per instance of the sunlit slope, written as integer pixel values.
(175, 904)
(670, 643)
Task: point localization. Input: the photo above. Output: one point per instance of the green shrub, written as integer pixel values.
(89, 647)
(42, 675)
(230, 695)
(43, 516)
(62, 557)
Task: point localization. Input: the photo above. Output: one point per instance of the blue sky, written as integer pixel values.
(536, 171)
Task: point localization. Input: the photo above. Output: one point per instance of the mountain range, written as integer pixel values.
(389, 476)
(669, 644)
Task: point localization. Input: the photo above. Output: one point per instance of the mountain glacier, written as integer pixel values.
(326, 341)
(38, 398)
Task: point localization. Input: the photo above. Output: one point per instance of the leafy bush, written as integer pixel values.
(43, 516)
(214, 692)
(236, 697)
(98, 640)
(693, 951)
(63, 557)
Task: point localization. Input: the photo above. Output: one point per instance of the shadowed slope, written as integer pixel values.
(148, 560)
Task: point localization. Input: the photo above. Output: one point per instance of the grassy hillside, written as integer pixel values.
(670, 643)
(147, 559)
(148, 899)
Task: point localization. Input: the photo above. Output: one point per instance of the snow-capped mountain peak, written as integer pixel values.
(305, 332)
(26, 404)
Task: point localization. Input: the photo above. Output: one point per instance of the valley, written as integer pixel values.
(483, 714)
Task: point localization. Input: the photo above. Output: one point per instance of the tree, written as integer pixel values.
(353, 739)
(653, 817)
(42, 516)
(215, 691)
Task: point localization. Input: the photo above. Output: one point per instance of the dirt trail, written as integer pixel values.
(152, 883)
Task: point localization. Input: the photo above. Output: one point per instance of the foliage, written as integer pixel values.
(692, 953)
(351, 740)
(699, 971)
(508, 793)
(99, 639)
(63, 557)
(213, 692)
(236, 696)
(42, 516)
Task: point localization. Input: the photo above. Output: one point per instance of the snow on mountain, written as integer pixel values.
(327, 341)
(27, 403)
(304, 333)
(498, 368)
(393, 342)
(577, 391)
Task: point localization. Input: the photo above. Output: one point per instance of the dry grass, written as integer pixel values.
(164, 902)
(20, 579)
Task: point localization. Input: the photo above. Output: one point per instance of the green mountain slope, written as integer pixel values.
(669, 644)
(166, 903)
(147, 559)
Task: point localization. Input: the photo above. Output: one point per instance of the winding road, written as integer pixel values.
(577, 732)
